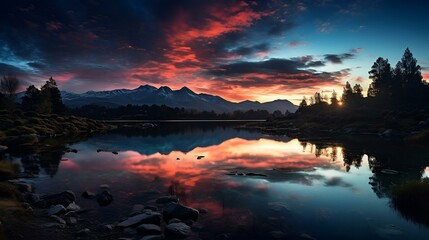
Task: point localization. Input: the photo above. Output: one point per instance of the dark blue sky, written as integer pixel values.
(258, 50)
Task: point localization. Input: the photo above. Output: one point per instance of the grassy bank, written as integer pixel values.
(20, 128)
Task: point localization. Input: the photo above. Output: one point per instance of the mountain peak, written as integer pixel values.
(145, 87)
(186, 90)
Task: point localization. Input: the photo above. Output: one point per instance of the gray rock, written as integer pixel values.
(63, 198)
(24, 187)
(73, 207)
(167, 199)
(174, 220)
(178, 230)
(71, 214)
(71, 220)
(88, 195)
(58, 219)
(153, 237)
(153, 208)
(130, 231)
(107, 227)
(83, 232)
(175, 210)
(137, 209)
(56, 209)
(3, 148)
(147, 217)
(32, 198)
(104, 198)
(149, 229)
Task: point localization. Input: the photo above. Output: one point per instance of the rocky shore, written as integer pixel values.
(59, 216)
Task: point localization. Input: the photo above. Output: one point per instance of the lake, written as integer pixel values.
(252, 185)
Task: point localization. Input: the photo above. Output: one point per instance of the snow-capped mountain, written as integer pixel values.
(183, 97)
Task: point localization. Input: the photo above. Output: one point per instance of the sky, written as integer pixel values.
(240, 50)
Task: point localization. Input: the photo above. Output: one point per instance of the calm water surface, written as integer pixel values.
(328, 190)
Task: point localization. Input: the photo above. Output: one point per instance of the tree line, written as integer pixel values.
(153, 112)
(391, 87)
(45, 100)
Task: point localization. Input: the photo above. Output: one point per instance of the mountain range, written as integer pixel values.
(183, 97)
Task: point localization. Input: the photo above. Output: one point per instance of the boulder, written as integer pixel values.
(24, 187)
(104, 198)
(175, 210)
(107, 228)
(56, 209)
(71, 214)
(83, 232)
(153, 208)
(174, 220)
(63, 198)
(71, 220)
(153, 237)
(88, 195)
(32, 198)
(167, 199)
(137, 209)
(146, 217)
(130, 231)
(178, 230)
(73, 207)
(58, 219)
(149, 229)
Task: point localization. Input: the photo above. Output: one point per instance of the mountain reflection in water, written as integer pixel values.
(326, 189)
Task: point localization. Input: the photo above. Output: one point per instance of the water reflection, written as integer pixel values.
(322, 188)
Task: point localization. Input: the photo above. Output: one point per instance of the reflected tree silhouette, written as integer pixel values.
(50, 161)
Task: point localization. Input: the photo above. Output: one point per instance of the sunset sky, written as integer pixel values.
(257, 50)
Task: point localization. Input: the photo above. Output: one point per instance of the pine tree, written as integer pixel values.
(51, 93)
(31, 99)
(347, 93)
(334, 100)
(303, 103)
(357, 91)
(381, 76)
(411, 77)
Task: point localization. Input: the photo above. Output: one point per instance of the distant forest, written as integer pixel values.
(163, 112)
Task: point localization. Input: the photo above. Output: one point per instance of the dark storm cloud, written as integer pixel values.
(293, 73)
(338, 58)
(273, 65)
